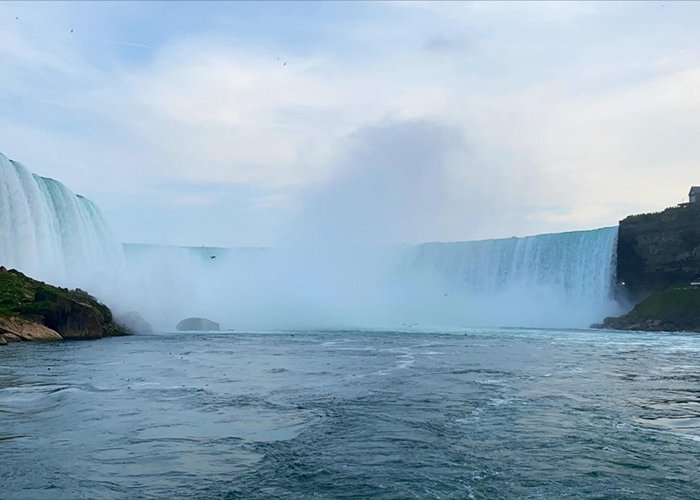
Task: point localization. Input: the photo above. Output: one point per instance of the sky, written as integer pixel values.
(248, 124)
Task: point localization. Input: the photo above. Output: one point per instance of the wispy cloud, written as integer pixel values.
(126, 44)
(557, 107)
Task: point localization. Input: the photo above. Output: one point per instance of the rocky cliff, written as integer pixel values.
(33, 310)
(657, 250)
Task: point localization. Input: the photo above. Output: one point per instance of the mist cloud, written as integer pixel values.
(389, 186)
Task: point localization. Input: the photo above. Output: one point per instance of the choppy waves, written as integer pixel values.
(473, 414)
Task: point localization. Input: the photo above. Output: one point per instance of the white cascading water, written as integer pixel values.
(560, 279)
(50, 233)
(552, 280)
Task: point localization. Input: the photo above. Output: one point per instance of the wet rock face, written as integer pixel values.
(198, 325)
(657, 250)
(33, 310)
(74, 319)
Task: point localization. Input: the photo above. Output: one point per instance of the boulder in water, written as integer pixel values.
(197, 325)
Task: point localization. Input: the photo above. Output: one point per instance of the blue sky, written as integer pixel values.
(396, 122)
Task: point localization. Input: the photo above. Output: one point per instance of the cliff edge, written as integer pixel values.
(658, 257)
(656, 250)
(33, 310)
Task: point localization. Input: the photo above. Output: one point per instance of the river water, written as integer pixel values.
(347, 414)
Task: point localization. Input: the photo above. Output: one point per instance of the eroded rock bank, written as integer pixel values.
(31, 310)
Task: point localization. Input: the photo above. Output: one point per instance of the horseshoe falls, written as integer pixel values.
(387, 360)
(552, 280)
(50, 233)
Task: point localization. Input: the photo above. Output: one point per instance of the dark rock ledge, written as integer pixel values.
(31, 310)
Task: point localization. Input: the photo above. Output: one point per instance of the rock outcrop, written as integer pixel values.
(197, 325)
(16, 330)
(674, 309)
(33, 310)
(655, 251)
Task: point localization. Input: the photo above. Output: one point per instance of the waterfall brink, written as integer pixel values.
(553, 279)
(52, 234)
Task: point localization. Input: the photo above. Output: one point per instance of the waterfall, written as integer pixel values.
(563, 279)
(566, 277)
(553, 280)
(52, 234)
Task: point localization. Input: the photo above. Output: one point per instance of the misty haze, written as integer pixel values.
(349, 250)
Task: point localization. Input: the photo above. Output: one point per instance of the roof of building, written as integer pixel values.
(694, 190)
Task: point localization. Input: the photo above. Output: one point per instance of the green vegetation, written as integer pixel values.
(674, 309)
(21, 296)
(641, 218)
(651, 217)
(71, 313)
(671, 303)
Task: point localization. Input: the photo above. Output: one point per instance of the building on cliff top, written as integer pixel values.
(694, 194)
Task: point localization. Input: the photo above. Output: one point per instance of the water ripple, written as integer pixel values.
(475, 414)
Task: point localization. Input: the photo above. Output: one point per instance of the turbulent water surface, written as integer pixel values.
(470, 414)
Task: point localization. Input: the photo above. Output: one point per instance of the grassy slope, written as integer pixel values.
(675, 308)
(24, 297)
(29, 299)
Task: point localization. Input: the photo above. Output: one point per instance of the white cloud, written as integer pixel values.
(561, 107)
